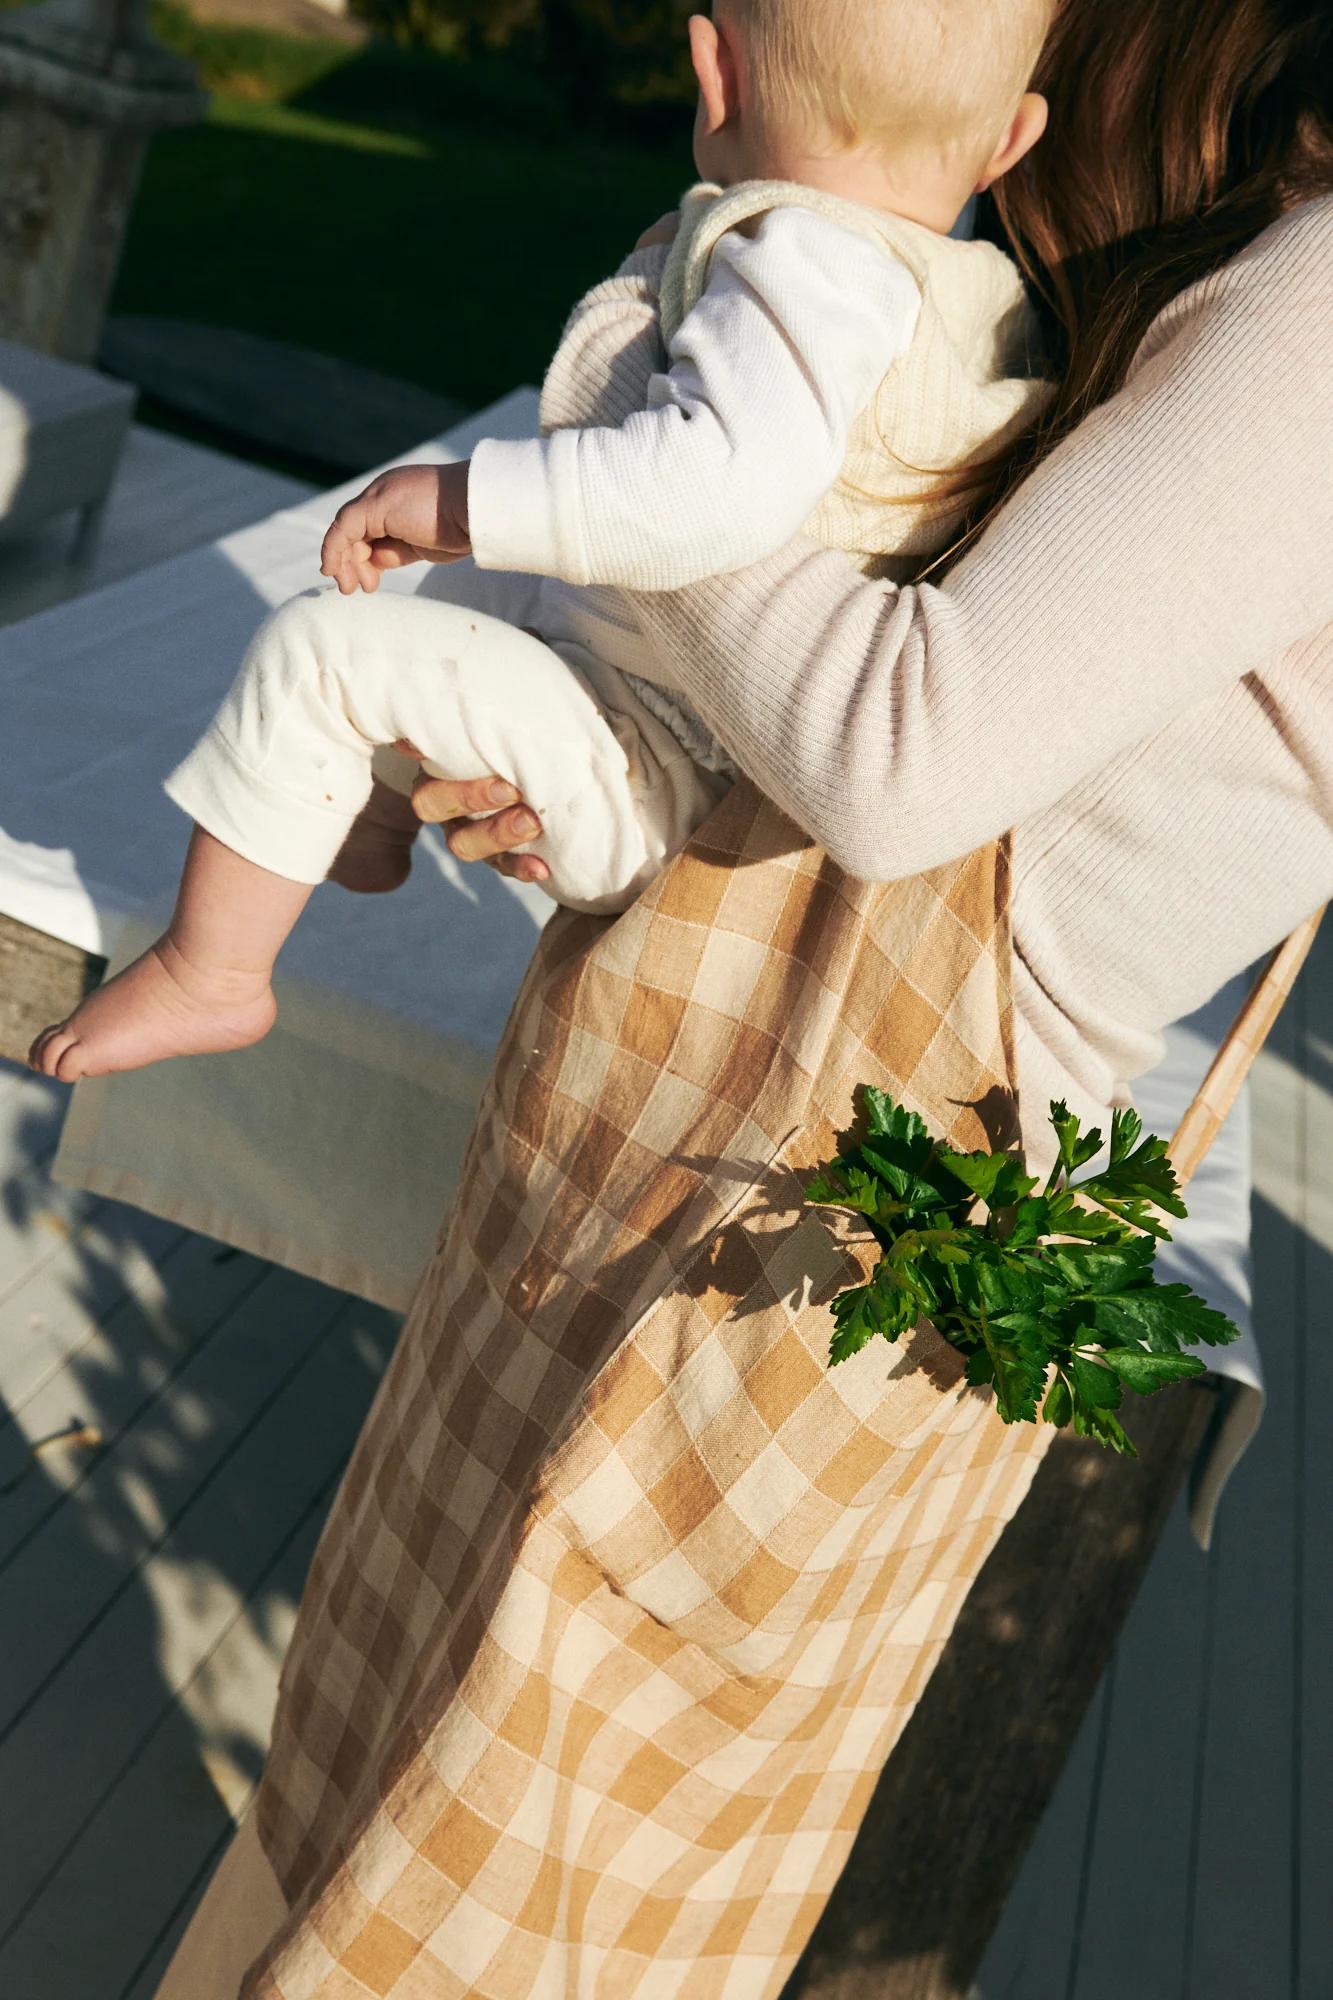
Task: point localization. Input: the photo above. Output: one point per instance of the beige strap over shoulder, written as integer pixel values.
(1234, 1060)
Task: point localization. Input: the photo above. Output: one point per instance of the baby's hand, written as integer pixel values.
(413, 513)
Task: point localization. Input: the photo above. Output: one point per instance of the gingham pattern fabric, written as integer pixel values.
(626, 1596)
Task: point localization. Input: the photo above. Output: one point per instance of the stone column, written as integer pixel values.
(83, 87)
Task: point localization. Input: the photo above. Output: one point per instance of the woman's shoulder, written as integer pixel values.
(1298, 247)
(1266, 290)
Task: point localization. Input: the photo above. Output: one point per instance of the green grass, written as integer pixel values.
(426, 217)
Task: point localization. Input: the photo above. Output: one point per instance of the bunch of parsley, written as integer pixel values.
(1051, 1296)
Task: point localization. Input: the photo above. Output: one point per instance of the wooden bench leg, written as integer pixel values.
(88, 534)
(963, 1792)
(41, 980)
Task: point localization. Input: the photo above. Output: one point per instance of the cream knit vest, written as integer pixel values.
(964, 386)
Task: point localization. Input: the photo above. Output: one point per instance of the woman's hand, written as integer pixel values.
(446, 802)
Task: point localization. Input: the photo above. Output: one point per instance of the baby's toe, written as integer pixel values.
(39, 1053)
(71, 1061)
(57, 1052)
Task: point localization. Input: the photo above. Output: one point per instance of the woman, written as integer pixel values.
(1132, 665)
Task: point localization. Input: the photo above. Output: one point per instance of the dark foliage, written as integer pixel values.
(610, 59)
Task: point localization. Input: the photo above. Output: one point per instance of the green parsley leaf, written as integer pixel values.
(1126, 1130)
(914, 1190)
(1162, 1318)
(1029, 1221)
(1094, 1386)
(882, 1306)
(1108, 1430)
(1141, 1177)
(1075, 1151)
(980, 1369)
(1052, 1302)
(1096, 1268)
(1018, 1356)
(997, 1179)
(1147, 1373)
(889, 1120)
(1059, 1405)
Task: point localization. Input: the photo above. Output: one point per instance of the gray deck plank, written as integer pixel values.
(35, 1215)
(148, 1975)
(125, 1885)
(1241, 1919)
(112, 1378)
(132, 1671)
(185, 1439)
(1034, 1948)
(1143, 1815)
(32, 1110)
(1313, 1749)
(55, 1311)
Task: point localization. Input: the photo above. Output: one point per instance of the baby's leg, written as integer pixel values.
(376, 856)
(203, 988)
(286, 767)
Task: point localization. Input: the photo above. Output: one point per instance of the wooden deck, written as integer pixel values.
(148, 1584)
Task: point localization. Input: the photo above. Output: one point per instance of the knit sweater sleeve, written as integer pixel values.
(742, 433)
(1174, 543)
(610, 349)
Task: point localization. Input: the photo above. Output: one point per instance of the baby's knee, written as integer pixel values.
(308, 623)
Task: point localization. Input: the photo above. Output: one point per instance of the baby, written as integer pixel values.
(829, 351)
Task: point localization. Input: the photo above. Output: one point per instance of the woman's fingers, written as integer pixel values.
(448, 802)
(436, 800)
(522, 867)
(479, 839)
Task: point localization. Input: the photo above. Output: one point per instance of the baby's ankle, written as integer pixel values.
(204, 973)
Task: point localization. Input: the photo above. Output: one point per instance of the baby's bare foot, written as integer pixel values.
(377, 853)
(158, 1007)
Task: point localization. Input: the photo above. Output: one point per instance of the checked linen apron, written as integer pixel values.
(626, 1596)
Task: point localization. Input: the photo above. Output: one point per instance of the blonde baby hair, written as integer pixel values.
(907, 73)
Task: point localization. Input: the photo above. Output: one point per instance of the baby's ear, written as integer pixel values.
(715, 69)
(1025, 128)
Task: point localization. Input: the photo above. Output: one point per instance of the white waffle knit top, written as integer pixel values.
(963, 383)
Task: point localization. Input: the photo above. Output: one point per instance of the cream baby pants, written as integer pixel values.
(285, 766)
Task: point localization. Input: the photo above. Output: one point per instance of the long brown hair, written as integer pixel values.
(1179, 130)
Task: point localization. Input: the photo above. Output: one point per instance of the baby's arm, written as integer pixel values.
(743, 434)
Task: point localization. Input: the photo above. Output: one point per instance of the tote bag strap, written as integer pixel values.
(1234, 1060)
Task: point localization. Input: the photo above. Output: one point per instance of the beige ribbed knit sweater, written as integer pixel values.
(1133, 669)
